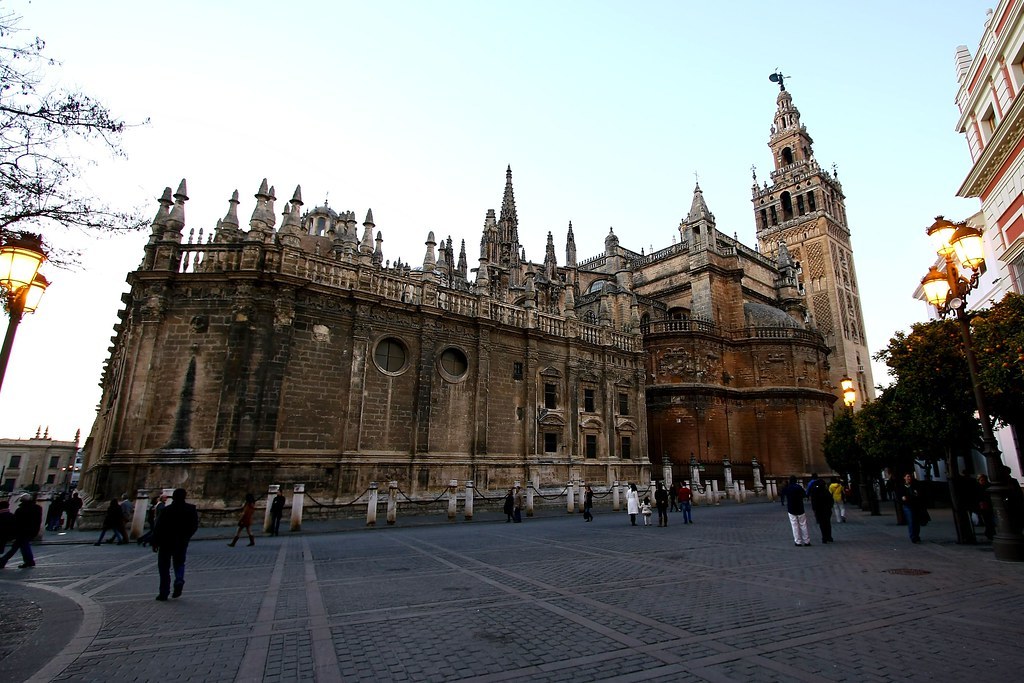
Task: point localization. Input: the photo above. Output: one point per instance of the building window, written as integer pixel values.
(454, 364)
(775, 215)
(591, 446)
(626, 449)
(550, 442)
(623, 404)
(390, 356)
(588, 400)
(54, 462)
(550, 396)
(50, 478)
(517, 370)
(800, 204)
(9, 485)
(15, 462)
(810, 201)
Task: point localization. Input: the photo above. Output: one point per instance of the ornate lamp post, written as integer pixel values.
(867, 484)
(960, 245)
(22, 285)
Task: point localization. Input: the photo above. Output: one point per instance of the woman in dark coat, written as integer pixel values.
(112, 521)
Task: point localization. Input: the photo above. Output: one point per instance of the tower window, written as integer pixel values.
(787, 206)
(764, 218)
(787, 156)
(810, 201)
(775, 216)
(800, 204)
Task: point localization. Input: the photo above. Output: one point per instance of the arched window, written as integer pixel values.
(787, 206)
(787, 156)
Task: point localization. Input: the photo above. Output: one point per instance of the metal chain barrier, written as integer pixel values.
(443, 494)
(337, 505)
(556, 496)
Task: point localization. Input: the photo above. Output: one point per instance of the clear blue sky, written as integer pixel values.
(605, 110)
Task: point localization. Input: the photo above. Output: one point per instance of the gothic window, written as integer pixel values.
(550, 396)
(550, 442)
(626, 447)
(390, 356)
(591, 446)
(588, 400)
(454, 364)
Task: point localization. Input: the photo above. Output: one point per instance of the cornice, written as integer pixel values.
(996, 152)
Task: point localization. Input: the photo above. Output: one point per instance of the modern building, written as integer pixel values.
(39, 463)
(296, 353)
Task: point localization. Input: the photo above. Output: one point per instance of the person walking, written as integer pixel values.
(645, 510)
(821, 504)
(112, 522)
(838, 492)
(127, 512)
(6, 525)
(588, 504)
(661, 502)
(73, 507)
(276, 513)
(174, 528)
(673, 496)
(909, 495)
(245, 521)
(510, 502)
(517, 505)
(632, 504)
(152, 517)
(793, 496)
(28, 519)
(55, 513)
(685, 496)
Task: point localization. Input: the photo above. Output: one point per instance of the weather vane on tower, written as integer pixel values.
(777, 77)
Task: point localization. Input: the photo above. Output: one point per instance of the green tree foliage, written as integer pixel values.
(999, 346)
(41, 131)
(842, 450)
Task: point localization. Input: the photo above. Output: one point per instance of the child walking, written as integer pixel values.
(645, 510)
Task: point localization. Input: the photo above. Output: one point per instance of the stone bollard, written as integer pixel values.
(43, 500)
(453, 499)
(271, 494)
(392, 502)
(714, 492)
(743, 491)
(371, 506)
(529, 499)
(570, 506)
(615, 496)
(468, 505)
(139, 515)
(298, 497)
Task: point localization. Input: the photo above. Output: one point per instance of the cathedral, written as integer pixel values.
(292, 351)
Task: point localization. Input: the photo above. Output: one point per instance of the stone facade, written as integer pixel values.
(297, 353)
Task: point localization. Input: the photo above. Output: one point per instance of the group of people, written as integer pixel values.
(513, 507)
(63, 511)
(679, 496)
(826, 498)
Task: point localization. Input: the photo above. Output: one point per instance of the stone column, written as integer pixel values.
(570, 507)
(371, 506)
(529, 499)
(666, 473)
(756, 467)
(138, 516)
(615, 496)
(298, 497)
(727, 467)
(271, 494)
(468, 505)
(453, 499)
(392, 502)
(43, 499)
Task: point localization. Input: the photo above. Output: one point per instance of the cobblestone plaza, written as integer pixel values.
(552, 599)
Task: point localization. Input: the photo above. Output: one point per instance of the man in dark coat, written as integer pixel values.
(276, 513)
(72, 507)
(821, 502)
(28, 519)
(6, 525)
(175, 527)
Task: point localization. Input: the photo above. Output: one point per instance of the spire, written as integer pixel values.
(570, 249)
(699, 208)
(378, 253)
(429, 261)
(160, 220)
(366, 247)
(463, 269)
(508, 201)
(550, 262)
(262, 219)
(176, 218)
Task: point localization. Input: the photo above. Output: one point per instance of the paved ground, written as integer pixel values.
(728, 598)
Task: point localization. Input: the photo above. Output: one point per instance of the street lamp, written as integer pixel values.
(867, 484)
(960, 245)
(23, 286)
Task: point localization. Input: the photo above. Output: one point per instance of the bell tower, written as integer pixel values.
(803, 207)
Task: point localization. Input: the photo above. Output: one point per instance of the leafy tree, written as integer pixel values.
(999, 346)
(842, 451)
(40, 128)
